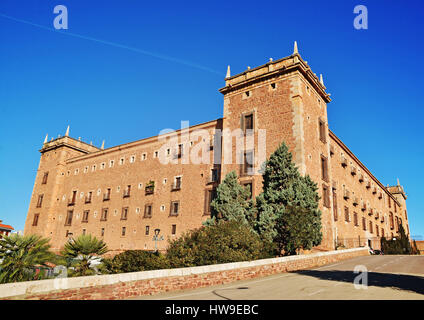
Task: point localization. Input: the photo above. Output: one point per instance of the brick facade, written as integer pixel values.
(80, 188)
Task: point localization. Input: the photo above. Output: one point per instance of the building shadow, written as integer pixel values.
(384, 280)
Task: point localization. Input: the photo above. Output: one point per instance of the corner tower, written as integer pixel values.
(49, 180)
(280, 101)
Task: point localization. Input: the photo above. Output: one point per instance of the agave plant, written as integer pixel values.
(19, 255)
(84, 250)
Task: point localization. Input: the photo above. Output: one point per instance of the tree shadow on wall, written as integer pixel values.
(386, 280)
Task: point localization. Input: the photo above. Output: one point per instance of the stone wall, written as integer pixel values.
(125, 285)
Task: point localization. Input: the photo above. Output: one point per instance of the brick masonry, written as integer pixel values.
(285, 98)
(122, 286)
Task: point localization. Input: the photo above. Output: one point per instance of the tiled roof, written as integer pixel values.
(5, 226)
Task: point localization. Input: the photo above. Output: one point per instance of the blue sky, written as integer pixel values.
(157, 63)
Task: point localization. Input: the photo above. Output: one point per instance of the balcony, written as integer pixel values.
(150, 188)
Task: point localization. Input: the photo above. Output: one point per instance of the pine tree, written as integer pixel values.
(287, 209)
(231, 201)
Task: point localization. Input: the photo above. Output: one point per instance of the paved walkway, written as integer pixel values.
(389, 277)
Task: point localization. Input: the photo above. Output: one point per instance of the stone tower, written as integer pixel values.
(282, 100)
(49, 182)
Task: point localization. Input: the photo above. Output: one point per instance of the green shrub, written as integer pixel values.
(224, 242)
(133, 261)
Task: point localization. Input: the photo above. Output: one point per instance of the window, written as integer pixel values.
(326, 195)
(324, 168)
(147, 230)
(144, 156)
(156, 154)
(347, 218)
(148, 211)
(214, 175)
(382, 232)
(102, 166)
(391, 220)
(106, 196)
(83, 231)
(111, 163)
(247, 124)
(397, 224)
(371, 229)
(247, 166)
(377, 231)
(85, 216)
(121, 161)
(174, 229)
(175, 206)
(88, 197)
(104, 214)
(93, 168)
(68, 220)
(45, 176)
(102, 232)
(127, 191)
(180, 151)
(273, 85)
(40, 200)
(355, 219)
(364, 224)
(335, 205)
(124, 214)
(322, 131)
(132, 159)
(35, 221)
(209, 196)
(123, 231)
(177, 184)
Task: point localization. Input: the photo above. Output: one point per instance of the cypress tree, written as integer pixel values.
(231, 201)
(287, 209)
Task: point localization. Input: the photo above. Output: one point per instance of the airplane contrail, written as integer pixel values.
(117, 45)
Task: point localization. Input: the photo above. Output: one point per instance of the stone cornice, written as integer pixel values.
(273, 69)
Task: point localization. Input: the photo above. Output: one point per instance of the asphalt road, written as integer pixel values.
(388, 277)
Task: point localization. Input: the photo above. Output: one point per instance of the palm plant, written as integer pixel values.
(83, 250)
(19, 255)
